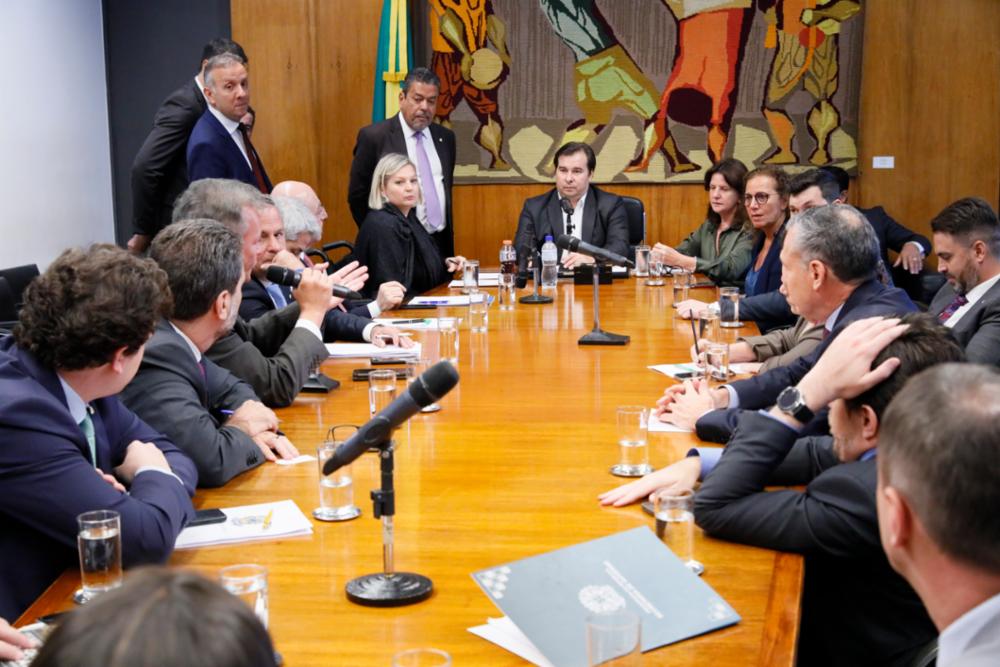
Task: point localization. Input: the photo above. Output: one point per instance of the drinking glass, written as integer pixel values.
(100, 543)
(470, 276)
(708, 325)
(633, 422)
(248, 582)
(336, 490)
(642, 261)
(478, 312)
(381, 390)
(506, 294)
(421, 657)
(682, 282)
(414, 369)
(717, 362)
(448, 338)
(657, 269)
(674, 514)
(614, 639)
(729, 305)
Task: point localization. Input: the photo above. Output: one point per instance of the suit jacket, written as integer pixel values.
(855, 609)
(171, 393)
(605, 223)
(337, 325)
(48, 478)
(212, 153)
(979, 329)
(385, 137)
(159, 171)
(892, 235)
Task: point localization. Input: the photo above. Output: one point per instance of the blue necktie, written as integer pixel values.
(87, 426)
(274, 290)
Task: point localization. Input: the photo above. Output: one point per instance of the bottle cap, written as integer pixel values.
(506, 241)
(548, 237)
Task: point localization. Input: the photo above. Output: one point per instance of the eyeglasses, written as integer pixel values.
(760, 197)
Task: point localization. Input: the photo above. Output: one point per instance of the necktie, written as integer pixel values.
(435, 220)
(258, 173)
(955, 304)
(276, 295)
(87, 426)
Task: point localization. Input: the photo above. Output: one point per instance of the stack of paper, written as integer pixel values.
(248, 523)
(486, 279)
(444, 300)
(370, 351)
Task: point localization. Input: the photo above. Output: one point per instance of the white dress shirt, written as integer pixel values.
(955, 639)
(576, 218)
(973, 295)
(233, 128)
(436, 170)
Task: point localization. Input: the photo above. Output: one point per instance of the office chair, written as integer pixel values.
(18, 278)
(635, 212)
(8, 306)
(322, 254)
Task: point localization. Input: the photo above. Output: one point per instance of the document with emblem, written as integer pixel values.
(548, 597)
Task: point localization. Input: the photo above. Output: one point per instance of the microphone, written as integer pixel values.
(522, 267)
(436, 381)
(567, 208)
(573, 244)
(289, 278)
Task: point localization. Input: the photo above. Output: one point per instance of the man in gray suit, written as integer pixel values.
(213, 416)
(967, 243)
(937, 504)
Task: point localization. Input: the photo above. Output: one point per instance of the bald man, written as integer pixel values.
(299, 243)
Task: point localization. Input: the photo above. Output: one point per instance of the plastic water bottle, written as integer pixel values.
(550, 259)
(508, 275)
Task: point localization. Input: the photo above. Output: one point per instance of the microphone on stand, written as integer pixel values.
(567, 208)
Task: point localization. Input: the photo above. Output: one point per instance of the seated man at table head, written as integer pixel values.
(827, 276)
(937, 501)
(967, 244)
(392, 243)
(849, 590)
(598, 217)
(212, 415)
(160, 618)
(68, 444)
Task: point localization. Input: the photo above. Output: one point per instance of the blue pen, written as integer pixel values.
(226, 412)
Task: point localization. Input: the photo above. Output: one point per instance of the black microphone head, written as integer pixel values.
(280, 275)
(566, 206)
(567, 242)
(436, 381)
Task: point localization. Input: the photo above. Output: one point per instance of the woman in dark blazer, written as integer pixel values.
(392, 243)
(766, 200)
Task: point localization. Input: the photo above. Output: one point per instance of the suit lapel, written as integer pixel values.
(444, 156)
(235, 156)
(396, 140)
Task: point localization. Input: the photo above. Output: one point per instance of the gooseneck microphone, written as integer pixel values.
(573, 244)
(436, 381)
(282, 276)
(567, 208)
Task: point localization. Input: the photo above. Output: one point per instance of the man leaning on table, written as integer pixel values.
(855, 609)
(211, 414)
(67, 445)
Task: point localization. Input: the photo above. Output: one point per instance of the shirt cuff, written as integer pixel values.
(709, 457)
(310, 327)
(366, 335)
(373, 308)
(767, 413)
(160, 470)
(734, 398)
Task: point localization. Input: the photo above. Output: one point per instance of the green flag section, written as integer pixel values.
(395, 53)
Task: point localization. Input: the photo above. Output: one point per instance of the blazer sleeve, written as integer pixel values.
(527, 232)
(782, 346)
(362, 169)
(769, 307)
(268, 331)
(833, 515)
(729, 267)
(896, 235)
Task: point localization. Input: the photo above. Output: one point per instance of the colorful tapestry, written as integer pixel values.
(660, 88)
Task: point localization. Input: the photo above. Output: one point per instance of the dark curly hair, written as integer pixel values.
(90, 303)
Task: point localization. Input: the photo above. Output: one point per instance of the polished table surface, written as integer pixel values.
(510, 467)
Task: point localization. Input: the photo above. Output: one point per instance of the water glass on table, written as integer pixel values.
(717, 362)
(100, 543)
(414, 369)
(729, 306)
(421, 657)
(248, 582)
(633, 423)
(674, 514)
(381, 390)
(657, 269)
(470, 276)
(682, 282)
(478, 312)
(642, 261)
(448, 338)
(336, 490)
(708, 325)
(614, 639)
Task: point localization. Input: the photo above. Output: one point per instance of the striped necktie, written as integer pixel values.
(955, 304)
(87, 426)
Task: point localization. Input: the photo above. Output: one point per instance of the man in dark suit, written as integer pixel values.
(159, 172)
(967, 243)
(406, 134)
(219, 145)
(827, 275)
(938, 494)
(597, 217)
(68, 444)
(207, 411)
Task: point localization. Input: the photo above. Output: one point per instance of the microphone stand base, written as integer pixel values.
(320, 384)
(536, 298)
(389, 590)
(601, 337)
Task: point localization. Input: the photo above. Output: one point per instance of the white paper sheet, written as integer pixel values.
(287, 520)
(486, 279)
(671, 370)
(502, 632)
(657, 426)
(370, 351)
(409, 323)
(302, 458)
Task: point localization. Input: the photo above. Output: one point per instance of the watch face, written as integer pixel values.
(788, 399)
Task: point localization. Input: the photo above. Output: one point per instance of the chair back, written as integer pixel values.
(18, 278)
(635, 213)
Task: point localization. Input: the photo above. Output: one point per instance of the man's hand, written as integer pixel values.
(456, 263)
(690, 308)
(686, 408)
(390, 295)
(138, 243)
(383, 335)
(910, 258)
(12, 641)
(676, 478)
(110, 479)
(140, 455)
(275, 446)
(845, 368)
(571, 260)
(253, 418)
(351, 276)
(288, 260)
(313, 294)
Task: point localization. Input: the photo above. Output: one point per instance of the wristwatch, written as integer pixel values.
(793, 403)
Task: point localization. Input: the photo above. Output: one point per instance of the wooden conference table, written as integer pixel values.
(509, 468)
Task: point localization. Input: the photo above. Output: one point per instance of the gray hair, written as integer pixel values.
(219, 199)
(297, 218)
(938, 445)
(202, 259)
(218, 62)
(840, 237)
(386, 168)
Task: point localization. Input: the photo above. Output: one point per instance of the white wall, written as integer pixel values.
(55, 159)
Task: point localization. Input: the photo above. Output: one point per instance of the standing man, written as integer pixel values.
(937, 499)
(430, 147)
(159, 172)
(219, 146)
(597, 217)
(68, 444)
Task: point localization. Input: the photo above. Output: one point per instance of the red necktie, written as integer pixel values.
(258, 173)
(955, 304)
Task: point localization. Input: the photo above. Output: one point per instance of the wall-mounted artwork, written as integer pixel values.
(660, 88)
